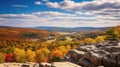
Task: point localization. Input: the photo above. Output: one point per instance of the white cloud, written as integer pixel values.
(52, 14)
(104, 12)
(67, 0)
(67, 4)
(53, 5)
(37, 2)
(19, 5)
(107, 0)
(97, 13)
(88, 6)
(84, 13)
(18, 16)
(80, 13)
(45, 0)
(50, 18)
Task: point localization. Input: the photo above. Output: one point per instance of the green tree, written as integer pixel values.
(111, 34)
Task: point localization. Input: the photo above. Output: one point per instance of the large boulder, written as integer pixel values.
(86, 48)
(76, 55)
(109, 63)
(112, 48)
(85, 63)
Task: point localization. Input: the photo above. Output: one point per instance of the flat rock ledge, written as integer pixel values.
(105, 54)
(28, 64)
(42, 64)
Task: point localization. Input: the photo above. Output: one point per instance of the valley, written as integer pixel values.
(23, 45)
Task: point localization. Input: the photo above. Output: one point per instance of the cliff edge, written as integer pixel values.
(106, 54)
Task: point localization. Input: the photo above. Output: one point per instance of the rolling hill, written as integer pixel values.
(16, 32)
(66, 29)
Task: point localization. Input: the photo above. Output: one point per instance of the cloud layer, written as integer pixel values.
(97, 13)
(50, 18)
(20, 5)
(91, 6)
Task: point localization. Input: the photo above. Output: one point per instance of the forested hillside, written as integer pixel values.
(34, 45)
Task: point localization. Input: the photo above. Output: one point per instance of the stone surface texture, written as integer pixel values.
(105, 54)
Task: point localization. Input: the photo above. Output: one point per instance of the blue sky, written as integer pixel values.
(60, 13)
(6, 6)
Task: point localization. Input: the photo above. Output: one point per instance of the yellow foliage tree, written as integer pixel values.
(62, 49)
(117, 31)
(42, 55)
(39, 56)
(46, 53)
(68, 47)
(100, 38)
(30, 55)
(89, 41)
(2, 57)
(20, 55)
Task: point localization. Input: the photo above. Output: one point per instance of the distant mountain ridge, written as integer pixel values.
(75, 29)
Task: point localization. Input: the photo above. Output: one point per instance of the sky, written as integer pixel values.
(60, 13)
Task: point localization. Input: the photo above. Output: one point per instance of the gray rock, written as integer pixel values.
(109, 63)
(86, 63)
(106, 54)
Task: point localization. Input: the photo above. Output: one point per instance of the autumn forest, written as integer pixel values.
(35, 45)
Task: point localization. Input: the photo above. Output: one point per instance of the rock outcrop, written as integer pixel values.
(29, 64)
(106, 54)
